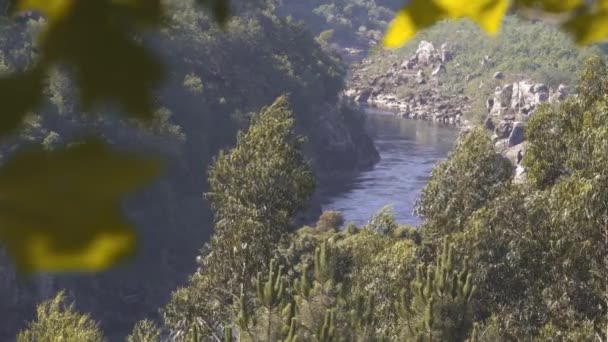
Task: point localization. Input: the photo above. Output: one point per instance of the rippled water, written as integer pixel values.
(408, 149)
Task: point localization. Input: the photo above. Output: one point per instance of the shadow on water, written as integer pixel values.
(409, 149)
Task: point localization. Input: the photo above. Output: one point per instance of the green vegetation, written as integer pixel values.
(57, 321)
(522, 49)
(472, 176)
(501, 262)
(358, 23)
(144, 331)
(540, 248)
(217, 80)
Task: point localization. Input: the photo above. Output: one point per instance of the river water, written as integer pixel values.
(408, 150)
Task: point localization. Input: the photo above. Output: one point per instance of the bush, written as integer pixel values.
(58, 321)
(330, 220)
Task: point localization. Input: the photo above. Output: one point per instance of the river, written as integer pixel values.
(408, 150)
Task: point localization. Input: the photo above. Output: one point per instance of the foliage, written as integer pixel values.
(383, 221)
(351, 22)
(522, 49)
(540, 247)
(330, 220)
(583, 19)
(57, 321)
(255, 190)
(144, 331)
(441, 307)
(472, 175)
(40, 223)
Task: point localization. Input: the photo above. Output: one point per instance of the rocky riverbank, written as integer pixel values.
(412, 88)
(427, 86)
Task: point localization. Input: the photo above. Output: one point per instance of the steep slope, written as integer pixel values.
(216, 79)
(454, 67)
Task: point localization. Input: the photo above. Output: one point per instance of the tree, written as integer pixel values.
(441, 304)
(57, 321)
(256, 188)
(72, 38)
(144, 331)
(471, 177)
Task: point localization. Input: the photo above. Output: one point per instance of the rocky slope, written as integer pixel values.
(413, 88)
(419, 87)
(447, 72)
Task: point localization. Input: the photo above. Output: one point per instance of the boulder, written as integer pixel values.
(503, 130)
(541, 97)
(489, 104)
(420, 77)
(487, 60)
(523, 94)
(410, 63)
(517, 135)
(540, 88)
(446, 53)
(503, 95)
(561, 93)
(364, 95)
(426, 52)
(489, 124)
(502, 99)
(520, 175)
(439, 70)
(498, 75)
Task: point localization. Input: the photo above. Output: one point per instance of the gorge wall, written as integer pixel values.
(216, 80)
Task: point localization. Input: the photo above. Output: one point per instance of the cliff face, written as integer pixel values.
(216, 80)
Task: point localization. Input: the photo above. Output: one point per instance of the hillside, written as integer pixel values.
(349, 26)
(216, 80)
(457, 69)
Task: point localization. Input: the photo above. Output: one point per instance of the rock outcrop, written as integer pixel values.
(522, 98)
(417, 87)
(425, 70)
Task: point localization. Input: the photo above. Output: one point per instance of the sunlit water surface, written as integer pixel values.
(408, 149)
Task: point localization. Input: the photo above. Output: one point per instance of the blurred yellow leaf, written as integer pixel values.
(57, 9)
(22, 93)
(60, 210)
(419, 14)
(554, 6)
(589, 28)
(489, 15)
(109, 65)
(95, 38)
(51, 8)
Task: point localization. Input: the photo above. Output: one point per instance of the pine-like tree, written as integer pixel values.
(440, 308)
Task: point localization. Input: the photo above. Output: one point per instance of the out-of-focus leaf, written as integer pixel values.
(60, 210)
(144, 11)
(588, 28)
(489, 15)
(219, 8)
(95, 38)
(53, 9)
(555, 6)
(417, 15)
(148, 11)
(22, 93)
